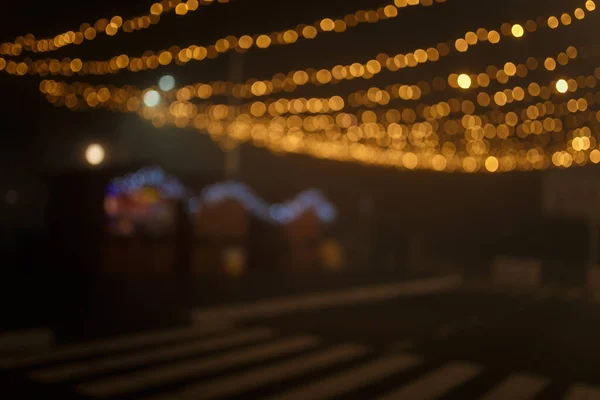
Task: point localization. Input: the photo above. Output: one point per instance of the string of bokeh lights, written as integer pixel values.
(242, 43)
(69, 67)
(370, 98)
(108, 26)
(276, 213)
(277, 136)
(299, 143)
(110, 96)
(117, 99)
(494, 142)
(391, 117)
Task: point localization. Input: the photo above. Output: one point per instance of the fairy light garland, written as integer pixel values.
(276, 135)
(276, 213)
(370, 98)
(69, 67)
(243, 43)
(108, 26)
(496, 142)
(121, 99)
(370, 126)
(533, 158)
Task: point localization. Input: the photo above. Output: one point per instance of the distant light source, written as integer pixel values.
(464, 81)
(517, 30)
(562, 86)
(234, 260)
(94, 154)
(12, 197)
(152, 98)
(492, 164)
(166, 83)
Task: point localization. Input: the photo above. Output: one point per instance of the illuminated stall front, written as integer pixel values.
(227, 216)
(154, 227)
(303, 220)
(141, 211)
(221, 226)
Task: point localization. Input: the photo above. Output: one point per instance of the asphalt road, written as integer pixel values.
(470, 343)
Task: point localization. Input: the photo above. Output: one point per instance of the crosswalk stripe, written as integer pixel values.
(111, 344)
(517, 387)
(372, 293)
(108, 364)
(436, 383)
(127, 383)
(583, 392)
(351, 379)
(243, 382)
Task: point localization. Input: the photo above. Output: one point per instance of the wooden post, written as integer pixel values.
(366, 230)
(593, 243)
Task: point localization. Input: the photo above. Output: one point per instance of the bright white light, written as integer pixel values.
(562, 86)
(517, 31)
(94, 154)
(151, 98)
(464, 81)
(166, 83)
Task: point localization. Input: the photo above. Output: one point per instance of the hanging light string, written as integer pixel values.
(367, 124)
(128, 99)
(371, 98)
(151, 60)
(278, 135)
(298, 142)
(497, 142)
(108, 26)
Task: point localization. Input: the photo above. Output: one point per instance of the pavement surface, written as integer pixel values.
(470, 342)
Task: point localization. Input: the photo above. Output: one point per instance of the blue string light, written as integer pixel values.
(278, 213)
(169, 187)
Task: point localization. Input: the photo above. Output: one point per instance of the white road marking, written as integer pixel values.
(517, 387)
(111, 344)
(583, 392)
(437, 383)
(245, 381)
(272, 307)
(351, 379)
(108, 364)
(124, 384)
